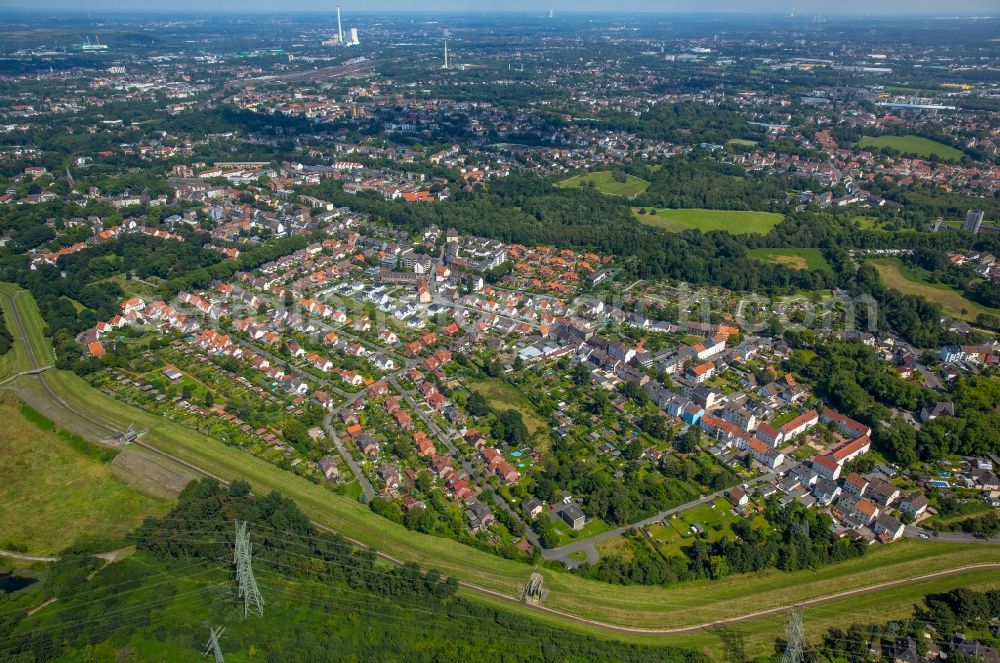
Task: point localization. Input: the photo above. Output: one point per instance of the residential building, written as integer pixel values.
(573, 516)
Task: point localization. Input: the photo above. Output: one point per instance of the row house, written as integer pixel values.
(844, 424)
(851, 449)
(764, 453)
(789, 430)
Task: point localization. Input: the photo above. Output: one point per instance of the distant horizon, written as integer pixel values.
(786, 8)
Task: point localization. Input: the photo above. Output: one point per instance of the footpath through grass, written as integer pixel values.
(706, 220)
(683, 604)
(34, 326)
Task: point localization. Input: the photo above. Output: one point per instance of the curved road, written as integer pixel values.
(562, 553)
(613, 628)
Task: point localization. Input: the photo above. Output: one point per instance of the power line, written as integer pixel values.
(122, 616)
(118, 595)
(288, 538)
(213, 645)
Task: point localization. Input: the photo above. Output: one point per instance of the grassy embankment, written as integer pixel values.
(57, 490)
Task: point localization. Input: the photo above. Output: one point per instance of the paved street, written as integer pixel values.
(366, 485)
(915, 532)
(587, 545)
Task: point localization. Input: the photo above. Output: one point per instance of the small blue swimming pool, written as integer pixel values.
(516, 454)
(938, 484)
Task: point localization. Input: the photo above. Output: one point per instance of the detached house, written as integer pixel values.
(479, 516)
(322, 399)
(367, 444)
(865, 511)
(915, 504)
(328, 466)
(573, 516)
(888, 527)
(390, 477)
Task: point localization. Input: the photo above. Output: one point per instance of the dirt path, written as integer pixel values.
(34, 371)
(779, 610)
(26, 558)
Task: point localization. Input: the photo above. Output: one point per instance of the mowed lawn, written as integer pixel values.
(705, 220)
(794, 258)
(712, 519)
(924, 147)
(54, 495)
(604, 182)
(891, 271)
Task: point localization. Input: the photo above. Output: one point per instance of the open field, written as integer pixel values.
(713, 519)
(132, 287)
(16, 360)
(705, 220)
(687, 604)
(923, 147)
(604, 182)
(793, 258)
(892, 273)
(873, 223)
(54, 494)
(503, 396)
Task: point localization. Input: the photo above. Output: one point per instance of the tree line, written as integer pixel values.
(795, 538)
(934, 622)
(323, 597)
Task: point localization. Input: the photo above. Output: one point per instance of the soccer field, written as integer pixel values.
(923, 147)
(793, 258)
(705, 220)
(604, 182)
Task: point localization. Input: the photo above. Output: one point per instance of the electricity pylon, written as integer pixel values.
(795, 649)
(246, 583)
(533, 592)
(213, 645)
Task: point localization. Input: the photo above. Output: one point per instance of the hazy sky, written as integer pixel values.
(743, 6)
